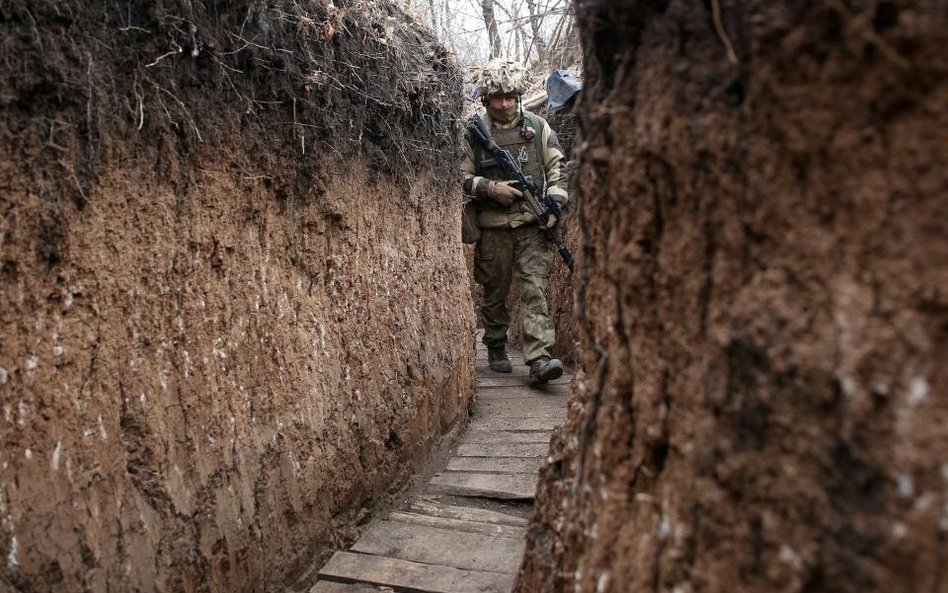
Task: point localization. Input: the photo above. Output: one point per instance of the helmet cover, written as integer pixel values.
(500, 77)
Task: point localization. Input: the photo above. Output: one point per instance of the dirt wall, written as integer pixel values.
(762, 301)
(560, 292)
(224, 224)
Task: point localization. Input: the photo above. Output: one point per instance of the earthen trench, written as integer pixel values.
(236, 314)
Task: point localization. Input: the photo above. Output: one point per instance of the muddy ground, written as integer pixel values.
(231, 317)
(762, 304)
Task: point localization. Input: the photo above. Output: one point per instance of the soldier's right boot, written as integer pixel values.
(545, 369)
(497, 359)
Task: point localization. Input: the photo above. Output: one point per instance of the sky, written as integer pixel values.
(460, 23)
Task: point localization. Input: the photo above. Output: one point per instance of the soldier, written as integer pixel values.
(511, 241)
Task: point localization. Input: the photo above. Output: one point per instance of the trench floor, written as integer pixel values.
(465, 530)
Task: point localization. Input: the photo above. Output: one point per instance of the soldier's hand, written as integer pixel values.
(503, 192)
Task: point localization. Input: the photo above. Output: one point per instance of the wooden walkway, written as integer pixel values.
(455, 537)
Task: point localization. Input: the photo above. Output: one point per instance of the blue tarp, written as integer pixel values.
(561, 87)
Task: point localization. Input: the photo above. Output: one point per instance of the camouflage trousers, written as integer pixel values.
(501, 253)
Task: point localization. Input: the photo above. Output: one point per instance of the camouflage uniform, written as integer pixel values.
(511, 241)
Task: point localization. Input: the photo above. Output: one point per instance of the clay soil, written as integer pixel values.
(762, 304)
(229, 283)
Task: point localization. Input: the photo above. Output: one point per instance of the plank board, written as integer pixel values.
(500, 486)
(334, 587)
(497, 465)
(504, 450)
(493, 529)
(544, 392)
(497, 380)
(517, 377)
(547, 399)
(431, 545)
(512, 396)
(439, 509)
(413, 576)
(507, 436)
(483, 411)
(515, 423)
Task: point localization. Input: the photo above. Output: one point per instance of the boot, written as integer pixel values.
(545, 369)
(497, 359)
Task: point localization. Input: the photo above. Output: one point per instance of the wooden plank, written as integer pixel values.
(507, 436)
(413, 576)
(334, 587)
(542, 391)
(548, 398)
(548, 392)
(496, 465)
(527, 403)
(516, 359)
(431, 545)
(493, 529)
(500, 486)
(496, 380)
(439, 509)
(515, 423)
(483, 411)
(504, 450)
(520, 369)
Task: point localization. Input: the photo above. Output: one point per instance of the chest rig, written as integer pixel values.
(523, 142)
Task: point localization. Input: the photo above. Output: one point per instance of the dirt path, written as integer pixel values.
(464, 531)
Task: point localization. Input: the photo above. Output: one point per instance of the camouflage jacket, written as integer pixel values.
(533, 143)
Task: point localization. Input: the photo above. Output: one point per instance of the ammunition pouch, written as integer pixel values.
(470, 229)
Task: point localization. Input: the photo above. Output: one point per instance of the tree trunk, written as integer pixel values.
(538, 42)
(433, 16)
(487, 7)
(447, 21)
(570, 55)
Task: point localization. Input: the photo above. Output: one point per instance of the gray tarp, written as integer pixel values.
(561, 86)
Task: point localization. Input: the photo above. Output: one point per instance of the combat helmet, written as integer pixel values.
(500, 77)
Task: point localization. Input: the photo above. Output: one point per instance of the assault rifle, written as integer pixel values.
(542, 206)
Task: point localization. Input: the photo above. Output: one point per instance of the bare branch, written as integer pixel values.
(537, 37)
(722, 34)
(487, 8)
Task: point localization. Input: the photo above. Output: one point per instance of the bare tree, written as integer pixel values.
(447, 21)
(570, 54)
(517, 40)
(535, 24)
(487, 7)
(433, 16)
(539, 36)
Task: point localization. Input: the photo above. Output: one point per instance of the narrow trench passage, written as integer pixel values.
(463, 531)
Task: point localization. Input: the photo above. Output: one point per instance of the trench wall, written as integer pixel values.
(761, 304)
(220, 344)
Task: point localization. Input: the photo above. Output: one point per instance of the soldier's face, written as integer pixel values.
(502, 107)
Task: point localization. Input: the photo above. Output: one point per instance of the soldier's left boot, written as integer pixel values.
(545, 369)
(497, 360)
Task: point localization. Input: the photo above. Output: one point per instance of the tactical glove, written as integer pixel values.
(503, 192)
